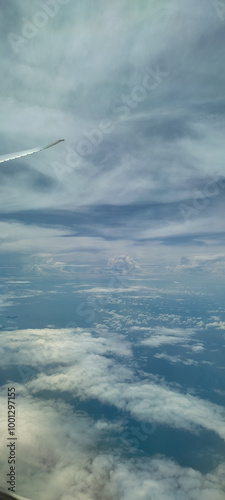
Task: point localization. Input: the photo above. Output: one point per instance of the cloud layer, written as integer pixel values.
(142, 164)
(65, 445)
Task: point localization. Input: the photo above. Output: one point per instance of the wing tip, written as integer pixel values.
(53, 144)
(20, 154)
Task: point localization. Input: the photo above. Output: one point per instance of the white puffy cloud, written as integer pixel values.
(165, 480)
(60, 449)
(56, 451)
(59, 456)
(218, 324)
(78, 362)
(153, 402)
(124, 264)
(63, 346)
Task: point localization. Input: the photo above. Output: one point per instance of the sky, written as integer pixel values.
(145, 178)
(112, 245)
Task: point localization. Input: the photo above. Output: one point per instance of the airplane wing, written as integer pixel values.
(12, 156)
(6, 495)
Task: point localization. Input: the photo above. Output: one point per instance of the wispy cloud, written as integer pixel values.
(160, 145)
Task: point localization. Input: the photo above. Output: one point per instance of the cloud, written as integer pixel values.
(163, 479)
(48, 346)
(176, 359)
(156, 152)
(60, 456)
(66, 452)
(49, 266)
(124, 264)
(76, 362)
(163, 335)
(122, 287)
(209, 263)
(131, 158)
(218, 324)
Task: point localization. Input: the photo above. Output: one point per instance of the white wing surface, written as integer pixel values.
(6, 495)
(12, 156)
